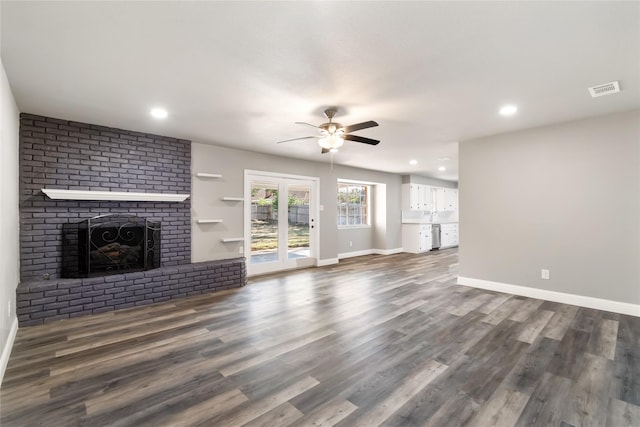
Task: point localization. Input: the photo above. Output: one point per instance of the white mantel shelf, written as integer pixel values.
(208, 221)
(57, 194)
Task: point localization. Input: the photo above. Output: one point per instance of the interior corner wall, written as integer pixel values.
(379, 220)
(9, 217)
(206, 194)
(565, 198)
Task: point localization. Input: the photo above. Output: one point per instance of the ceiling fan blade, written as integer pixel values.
(308, 124)
(362, 139)
(295, 139)
(324, 151)
(360, 126)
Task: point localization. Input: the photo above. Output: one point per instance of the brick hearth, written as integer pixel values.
(47, 300)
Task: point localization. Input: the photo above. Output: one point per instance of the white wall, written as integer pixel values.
(425, 180)
(9, 218)
(565, 198)
(231, 163)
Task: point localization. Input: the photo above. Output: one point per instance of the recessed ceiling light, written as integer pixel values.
(442, 169)
(508, 110)
(159, 113)
(333, 150)
(413, 162)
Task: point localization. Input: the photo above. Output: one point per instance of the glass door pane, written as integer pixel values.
(298, 220)
(264, 221)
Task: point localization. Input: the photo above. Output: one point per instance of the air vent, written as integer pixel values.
(605, 89)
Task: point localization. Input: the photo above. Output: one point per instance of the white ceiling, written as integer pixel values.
(239, 74)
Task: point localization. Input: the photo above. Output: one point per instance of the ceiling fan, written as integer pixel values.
(332, 135)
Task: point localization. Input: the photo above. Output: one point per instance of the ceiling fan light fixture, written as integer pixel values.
(333, 134)
(331, 141)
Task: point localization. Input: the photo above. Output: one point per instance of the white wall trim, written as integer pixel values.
(370, 252)
(388, 251)
(355, 254)
(580, 300)
(6, 352)
(328, 261)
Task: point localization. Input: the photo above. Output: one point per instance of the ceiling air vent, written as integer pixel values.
(605, 89)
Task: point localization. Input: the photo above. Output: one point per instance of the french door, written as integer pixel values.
(281, 225)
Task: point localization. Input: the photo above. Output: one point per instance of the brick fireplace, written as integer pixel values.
(68, 155)
(110, 244)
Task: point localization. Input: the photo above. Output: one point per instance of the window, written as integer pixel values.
(353, 204)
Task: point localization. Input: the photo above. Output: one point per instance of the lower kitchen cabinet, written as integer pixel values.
(416, 238)
(448, 235)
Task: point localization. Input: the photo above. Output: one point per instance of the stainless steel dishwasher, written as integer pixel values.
(435, 236)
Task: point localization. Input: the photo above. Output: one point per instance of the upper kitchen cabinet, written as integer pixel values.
(417, 197)
(446, 200)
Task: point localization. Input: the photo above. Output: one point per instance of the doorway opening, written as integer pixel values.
(281, 221)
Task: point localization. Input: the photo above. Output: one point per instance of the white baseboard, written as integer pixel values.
(370, 252)
(328, 261)
(580, 300)
(6, 352)
(355, 253)
(387, 251)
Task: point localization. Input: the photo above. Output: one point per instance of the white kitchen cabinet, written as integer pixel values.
(416, 238)
(446, 199)
(448, 235)
(417, 197)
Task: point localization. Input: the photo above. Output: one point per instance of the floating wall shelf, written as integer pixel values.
(233, 199)
(208, 175)
(57, 194)
(232, 239)
(208, 221)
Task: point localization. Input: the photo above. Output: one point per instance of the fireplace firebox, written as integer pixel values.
(110, 244)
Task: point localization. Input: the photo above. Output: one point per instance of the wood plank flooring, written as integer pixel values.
(375, 340)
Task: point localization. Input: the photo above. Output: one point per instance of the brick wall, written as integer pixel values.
(78, 156)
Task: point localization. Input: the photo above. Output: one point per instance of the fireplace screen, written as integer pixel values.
(110, 244)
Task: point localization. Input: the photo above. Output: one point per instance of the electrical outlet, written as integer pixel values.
(544, 274)
(350, 244)
(241, 249)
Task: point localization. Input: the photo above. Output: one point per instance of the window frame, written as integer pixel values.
(367, 205)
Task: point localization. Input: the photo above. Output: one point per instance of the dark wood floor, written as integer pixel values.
(376, 340)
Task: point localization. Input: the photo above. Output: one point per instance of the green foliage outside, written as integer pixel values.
(351, 194)
(264, 235)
